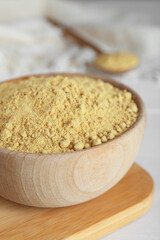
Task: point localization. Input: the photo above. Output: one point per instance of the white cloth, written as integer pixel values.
(34, 46)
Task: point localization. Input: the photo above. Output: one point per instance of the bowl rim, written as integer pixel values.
(115, 83)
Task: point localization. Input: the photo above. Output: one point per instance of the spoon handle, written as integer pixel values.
(69, 32)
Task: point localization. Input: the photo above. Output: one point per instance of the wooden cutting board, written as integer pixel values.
(125, 202)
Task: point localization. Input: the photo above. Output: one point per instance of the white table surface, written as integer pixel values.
(141, 15)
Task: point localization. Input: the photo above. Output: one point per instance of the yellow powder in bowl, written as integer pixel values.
(62, 114)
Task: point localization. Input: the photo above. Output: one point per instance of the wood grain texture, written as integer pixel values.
(64, 179)
(125, 202)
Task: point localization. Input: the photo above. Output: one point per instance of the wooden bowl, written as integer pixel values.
(64, 179)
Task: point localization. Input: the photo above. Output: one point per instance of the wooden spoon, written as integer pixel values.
(114, 63)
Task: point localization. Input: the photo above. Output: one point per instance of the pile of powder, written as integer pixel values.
(117, 62)
(62, 114)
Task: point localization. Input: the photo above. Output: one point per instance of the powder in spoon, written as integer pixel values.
(117, 62)
(62, 114)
